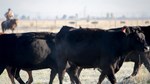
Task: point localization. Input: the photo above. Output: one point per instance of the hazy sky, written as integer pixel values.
(53, 8)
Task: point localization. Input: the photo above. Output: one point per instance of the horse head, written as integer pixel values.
(13, 24)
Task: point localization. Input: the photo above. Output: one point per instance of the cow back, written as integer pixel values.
(94, 45)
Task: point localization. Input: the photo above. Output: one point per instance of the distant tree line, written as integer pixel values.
(76, 17)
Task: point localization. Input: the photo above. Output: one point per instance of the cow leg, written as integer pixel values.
(62, 64)
(147, 64)
(146, 60)
(109, 72)
(15, 73)
(61, 74)
(101, 77)
(137, 66)
(74, 73)
(112, 78)
(111, 75)
(30, 79)
(79, 71)
(136, 69)
(10, 75)
(52, 76)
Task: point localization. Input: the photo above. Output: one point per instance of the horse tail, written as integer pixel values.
(3, 26)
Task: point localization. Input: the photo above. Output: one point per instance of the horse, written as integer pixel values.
(9, 24)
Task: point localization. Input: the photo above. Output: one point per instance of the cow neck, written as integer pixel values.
(126, 47)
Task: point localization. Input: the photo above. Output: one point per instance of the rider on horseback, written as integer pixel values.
(9, 14)
(10, 22)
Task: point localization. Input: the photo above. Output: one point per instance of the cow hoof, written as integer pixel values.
(28, 82)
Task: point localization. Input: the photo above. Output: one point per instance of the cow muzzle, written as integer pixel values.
(146, 48)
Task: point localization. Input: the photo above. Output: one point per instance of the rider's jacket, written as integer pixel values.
(9, 15)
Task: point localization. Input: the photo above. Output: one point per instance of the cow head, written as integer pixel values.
(137, 40)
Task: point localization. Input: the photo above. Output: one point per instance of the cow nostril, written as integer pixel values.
(148, 48)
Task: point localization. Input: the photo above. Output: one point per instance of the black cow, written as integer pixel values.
(28, 42)
(12, 71)
(146, 58)
(146, 30)
(95, 48)
(135, 57)
(28, 51)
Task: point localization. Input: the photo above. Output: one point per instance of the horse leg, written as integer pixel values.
(13, 27)
(3, 27)
(10, 75)
(3, 30)
(12, 31)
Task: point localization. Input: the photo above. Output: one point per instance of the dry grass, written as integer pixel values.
(88, 76)
(83, 23)
(55, 25)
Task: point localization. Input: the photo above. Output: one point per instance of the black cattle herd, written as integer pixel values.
(73, 49)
